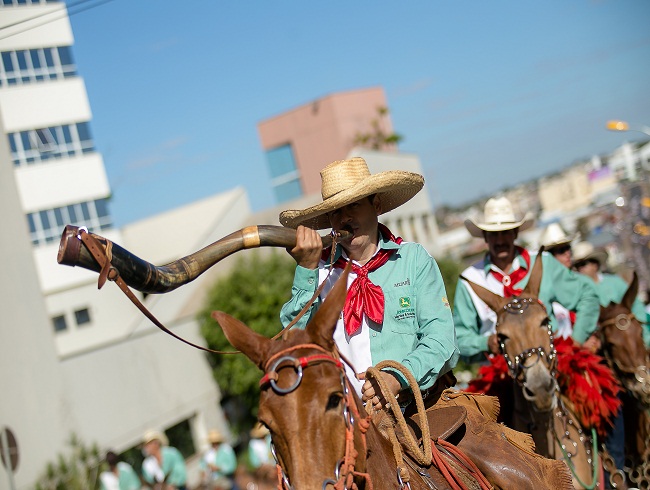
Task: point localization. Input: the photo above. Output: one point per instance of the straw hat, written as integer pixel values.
(346, 181)
(259, 431)
(155, 435)
(214, 436)
(586, 251)
(498, 216)
(554, 236)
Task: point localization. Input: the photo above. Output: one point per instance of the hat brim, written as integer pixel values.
(156, 436)
(557, 243)
(477, 229)
(394, 187)
(598, 255)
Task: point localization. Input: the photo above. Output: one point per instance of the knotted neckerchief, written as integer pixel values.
(509, 281)
(363, 295)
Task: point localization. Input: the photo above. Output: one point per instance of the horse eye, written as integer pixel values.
(334, 401)
(545, 322)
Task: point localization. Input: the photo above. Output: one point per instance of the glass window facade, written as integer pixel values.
(36, 65)
(285, 177)
(42, 144)
(46, 226)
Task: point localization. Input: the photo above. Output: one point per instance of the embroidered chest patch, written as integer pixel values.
(405, 302)
(406, 309)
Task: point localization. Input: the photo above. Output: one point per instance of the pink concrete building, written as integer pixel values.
(300, 142)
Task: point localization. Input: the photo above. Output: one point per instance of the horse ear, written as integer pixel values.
(535, 279)
(321, 327)
(630, 294)
(250, 343)
(493, 300)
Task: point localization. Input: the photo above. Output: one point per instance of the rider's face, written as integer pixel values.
(501, 244)
(359, 218)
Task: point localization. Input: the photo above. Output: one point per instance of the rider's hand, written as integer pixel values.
(493, 344)
(592, 344)
(308, 248)
(370, 391)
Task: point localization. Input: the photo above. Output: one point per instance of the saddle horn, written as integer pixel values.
(148, 278)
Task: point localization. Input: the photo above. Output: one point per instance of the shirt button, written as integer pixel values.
(311, 280)
(374, 334)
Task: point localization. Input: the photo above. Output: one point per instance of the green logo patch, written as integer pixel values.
(405, 302)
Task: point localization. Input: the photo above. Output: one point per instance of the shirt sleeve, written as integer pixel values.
(226, 460)
(305, 282)
(575, 292)
(178, 471)
(467, 321)
(436, 350)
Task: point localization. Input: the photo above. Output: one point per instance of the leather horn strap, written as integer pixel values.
(103, 258)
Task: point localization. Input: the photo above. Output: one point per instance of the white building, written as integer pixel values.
(75, 360)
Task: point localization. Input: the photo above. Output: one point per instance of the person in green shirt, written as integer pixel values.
(162, 462)
(397, 307)
(120, 475)
(219, 463)
(611, 288)
(504, 270)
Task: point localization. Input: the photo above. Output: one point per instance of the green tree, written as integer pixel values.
(376, 138)
(450, 270)
(77, 470)
(254, 294)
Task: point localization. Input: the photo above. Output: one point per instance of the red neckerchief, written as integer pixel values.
(509, 281)
(363, 295)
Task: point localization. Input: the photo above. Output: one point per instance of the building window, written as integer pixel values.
(38, 145)
(82, 317)
(59, 323)
(285, 178)
(36, 65)
(287, 191)
(47, 225)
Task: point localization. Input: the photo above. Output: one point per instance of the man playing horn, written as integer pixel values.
(396, 308)
(504, 270)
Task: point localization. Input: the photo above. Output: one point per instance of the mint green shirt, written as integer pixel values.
(127, 478)
(173, 466)
(417, 329)
(559, 284)
(611, 289)
(223, 458)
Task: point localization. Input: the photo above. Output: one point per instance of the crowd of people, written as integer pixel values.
(397, 307)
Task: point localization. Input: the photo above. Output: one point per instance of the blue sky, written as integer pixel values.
(487, 93)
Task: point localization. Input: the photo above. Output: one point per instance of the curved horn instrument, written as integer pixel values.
(148, 278)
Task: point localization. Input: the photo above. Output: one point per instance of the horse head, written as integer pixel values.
(622, 343)
(525, 338)
(306, 401)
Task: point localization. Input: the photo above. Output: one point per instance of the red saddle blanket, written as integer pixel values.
(584, 378)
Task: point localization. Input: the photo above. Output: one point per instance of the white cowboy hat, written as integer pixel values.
(554, 236)
(155, 435)
(585, 251)
(346, 181)
(214, 436)
(259, 431)
(498, 216)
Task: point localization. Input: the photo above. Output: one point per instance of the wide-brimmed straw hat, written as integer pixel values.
(586, 251)
(259, 431)
(155, 435)
(554, 236)
(215, 437)
(498, 216)
(346, 181)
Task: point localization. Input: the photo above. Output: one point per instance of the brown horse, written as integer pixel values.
(526, 340)
(621, 336)
(322, 436)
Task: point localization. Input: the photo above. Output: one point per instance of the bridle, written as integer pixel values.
(345, 471)
(517, 365)
(640, 373)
